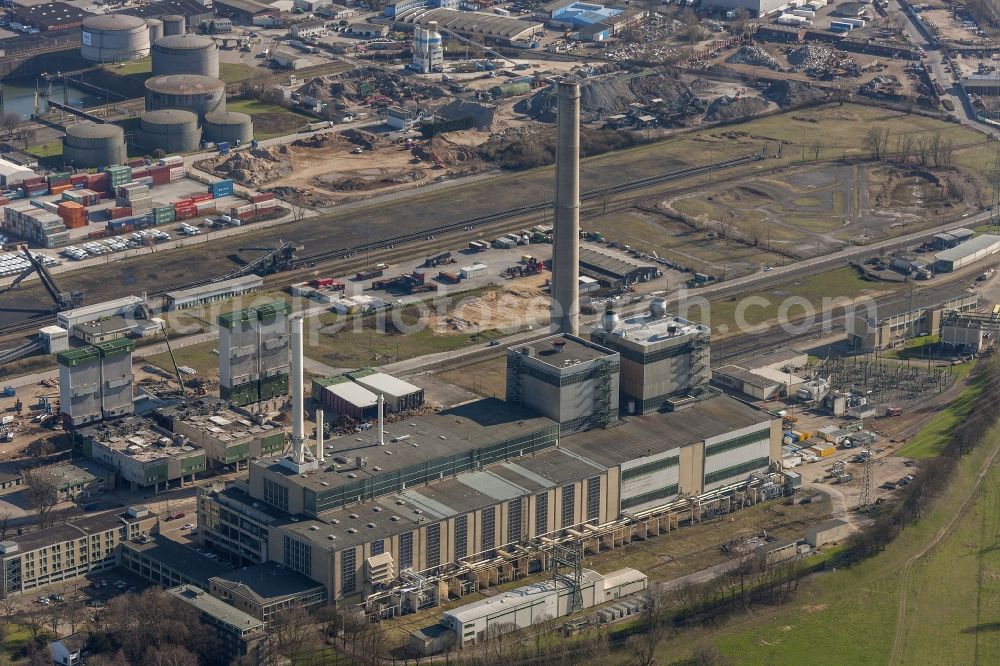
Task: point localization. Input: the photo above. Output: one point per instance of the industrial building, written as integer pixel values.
(12, 174)
(829, 531)
(268, 589)
(127, 306)
(90, 144)
(253, 353)
(874, 328)
(54, 338)
(970, 332)
(188, 92)
(186, 54)
(615, 271)
(489, 29)
(143, 454)
(756, 8)
(523, 606)
(227, 126)
(339, 396)
(79, 479)
(212, 292)
(763, 378)
(228, 437)
(952, 238)
(95, 382)
(49, 16)
(663, 357)
(308, 29)
(242, 12)
(114, 38)
(567, 379)
(967, 253)
(103, 330)
(237, 634)
(69, 551)
(399, 396)
(428, 51)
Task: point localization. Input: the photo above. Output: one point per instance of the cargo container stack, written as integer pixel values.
(34, 224)
(73, 214)
(118, 175)
(83, 197)
(135, 196)
(184, 209)
(204, 204)
(98, 182)
(221, 188)
(34, 186)
(163, 214)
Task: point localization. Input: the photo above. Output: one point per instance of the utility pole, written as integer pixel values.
(867, 481)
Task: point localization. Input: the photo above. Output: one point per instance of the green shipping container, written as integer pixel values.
(163, 214)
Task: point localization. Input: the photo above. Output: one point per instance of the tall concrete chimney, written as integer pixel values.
(380, 433)
(566, 235)
(298, 434)
(319, 435)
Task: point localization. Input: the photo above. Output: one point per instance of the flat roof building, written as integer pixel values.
(167, 563)
(238, 634)
(50, 16)
(614, 270)
(400, 395)
(126, 306)
(265, 590)
(484, 28)
(967, 253)
(342, 397)
(886, 327)
(102, 330)
(242, 12)
(213, 291)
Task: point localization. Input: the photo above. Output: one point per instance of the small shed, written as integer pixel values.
(829, 531)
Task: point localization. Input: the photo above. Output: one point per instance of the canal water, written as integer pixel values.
(19, 97)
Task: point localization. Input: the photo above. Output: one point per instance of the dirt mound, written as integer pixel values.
(520, 303)
(369, 179)
(300, 196)
(484, 116)
(324, 140)
(442, 151)
(316, 88)
(366, 140)
(257, 166)
(732, 108)
(751, 54)
(792, 93)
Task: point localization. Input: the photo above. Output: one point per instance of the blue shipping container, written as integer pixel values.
(221, 188)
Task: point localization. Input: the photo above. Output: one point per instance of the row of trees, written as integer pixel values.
(926, 151)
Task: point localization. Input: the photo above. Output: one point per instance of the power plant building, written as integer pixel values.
(399, 396)
(663, 357)
(228, 437)
(870, 327)
(253, 353)
(567, 379)
(190, 92)
(114, 38)
(170, 130)
(95, 382)
(186, 54)
(90, 144)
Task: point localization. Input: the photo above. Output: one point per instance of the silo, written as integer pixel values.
(228, 126)
(191, 92)
(90, 144)
(173, 25)
(155, 29)
(114, 38)
(186, 54)
(173, 130)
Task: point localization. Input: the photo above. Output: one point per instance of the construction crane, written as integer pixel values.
(277, 259)
(485, 49)
(61, 300)
(177, 370)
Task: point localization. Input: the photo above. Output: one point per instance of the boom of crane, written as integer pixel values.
(61, 300)
(276, 260)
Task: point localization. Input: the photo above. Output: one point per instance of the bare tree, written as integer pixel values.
(876, 140)
(11, 121)
(4, 523)
(291, 629)
(934, 147)
(921, 150)
(42, 493)
(655, 628)
(946, 152)
(169, 655)
(27, 137)
(816, 147)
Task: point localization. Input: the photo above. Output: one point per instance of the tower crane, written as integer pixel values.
(61, 300)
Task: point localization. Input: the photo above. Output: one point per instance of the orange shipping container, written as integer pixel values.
(59, 189)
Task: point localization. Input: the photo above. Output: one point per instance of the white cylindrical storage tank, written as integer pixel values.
(186, 54)
(227, 126)
(191, 92)
(155, 29)
(173, 130)
(90, 144)
(173, 25)
(114, 38)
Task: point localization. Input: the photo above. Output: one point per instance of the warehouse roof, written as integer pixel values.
(921, 301)
(745, 376)
(220, 287)
(170, 8)
(352, 393)
(639, 436)
(617, 266)
(379, 382)
(562, 351)
(113, 324)
(472, 22)
(249, 6)
(50, 14)
(11, 169)
(218, 610)
(969, 247)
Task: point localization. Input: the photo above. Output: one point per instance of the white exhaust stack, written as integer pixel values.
(298, 434)
(319, 435)
(380, 434)
(566, 234)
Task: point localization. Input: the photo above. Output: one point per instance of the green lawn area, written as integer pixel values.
(231, 72)
(269, 120)
(932, 438)
(50, 149)
(15, 638)
(203, 357)
(132, 67)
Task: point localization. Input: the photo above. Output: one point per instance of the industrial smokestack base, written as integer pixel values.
(566, 235)
(299, 460)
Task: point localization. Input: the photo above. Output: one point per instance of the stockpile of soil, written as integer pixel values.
(316, 88)
(257, 165)
(442, 151)
(299, 196)
(369, 179)
(732, 108)
(792, 93)
(324, 140)
(535, 145)
(457, 109)
(366, 140)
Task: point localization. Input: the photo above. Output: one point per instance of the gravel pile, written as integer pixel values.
(810, 57)
(751, 54)
(731, 108)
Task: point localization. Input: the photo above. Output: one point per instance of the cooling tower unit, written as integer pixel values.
(173, 25)
(90, 144)
(173, 130)
(228, 126)
(155, 29)
(190, 92)
(566, 235)
(114, 38)
(186, 54)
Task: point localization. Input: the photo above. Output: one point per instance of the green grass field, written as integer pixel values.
(50, 149)
(233, 72)
(933, 436)
(203, 357)
(132, 67)
(269, 120)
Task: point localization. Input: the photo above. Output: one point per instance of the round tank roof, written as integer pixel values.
(173, 17)
(187, 41)
(227, 118)
(88, 129)
(170, 117)
(152, 21)
(184, 84)
(113, 22)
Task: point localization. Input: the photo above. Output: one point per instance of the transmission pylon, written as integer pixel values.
(867, 480)
(567, 566)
